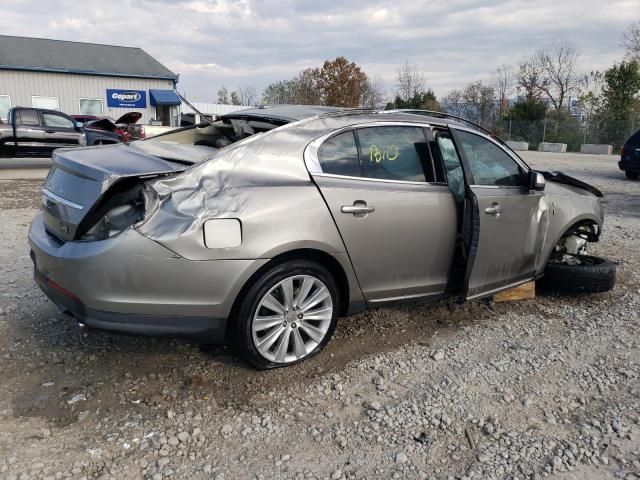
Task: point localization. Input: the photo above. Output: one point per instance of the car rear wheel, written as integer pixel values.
(632, 175)
(287, 315)
(579, 273)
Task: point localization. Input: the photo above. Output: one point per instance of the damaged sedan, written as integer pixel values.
(264, 227)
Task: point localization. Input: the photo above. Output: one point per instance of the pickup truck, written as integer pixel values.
(39, 131)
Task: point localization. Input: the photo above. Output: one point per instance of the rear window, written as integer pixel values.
(28, 117)
(633, 140)
(339, 155)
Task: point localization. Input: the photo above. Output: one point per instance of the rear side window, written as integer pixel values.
(339, 155)
(28, 117)
(395, 153)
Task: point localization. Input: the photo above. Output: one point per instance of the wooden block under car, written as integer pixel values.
(521, 292)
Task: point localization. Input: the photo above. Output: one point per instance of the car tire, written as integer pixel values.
(632, 175)
(589, 275)
(260, 331)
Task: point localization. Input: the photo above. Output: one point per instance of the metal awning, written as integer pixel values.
(164, 97)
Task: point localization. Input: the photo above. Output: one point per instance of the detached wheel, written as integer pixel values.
(287, 315)
(632, 175)
(579, 273)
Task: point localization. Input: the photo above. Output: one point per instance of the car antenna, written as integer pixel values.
(202, 115)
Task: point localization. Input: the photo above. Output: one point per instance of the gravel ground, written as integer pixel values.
(528, 389)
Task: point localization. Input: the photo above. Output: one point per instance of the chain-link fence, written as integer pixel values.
(569, 131)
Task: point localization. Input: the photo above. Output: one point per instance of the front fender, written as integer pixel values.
(566, 212)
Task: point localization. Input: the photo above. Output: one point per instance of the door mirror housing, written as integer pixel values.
(79, 125)
(536, 181)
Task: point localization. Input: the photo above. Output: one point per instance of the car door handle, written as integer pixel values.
(494, 210)
(357, 208)
(50, 131)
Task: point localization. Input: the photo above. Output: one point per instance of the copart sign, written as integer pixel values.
(126, 98)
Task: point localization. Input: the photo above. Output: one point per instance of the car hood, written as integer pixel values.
(560, 177)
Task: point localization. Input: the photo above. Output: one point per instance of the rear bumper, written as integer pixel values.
(628, 165)
(205, 328)
(131, 284)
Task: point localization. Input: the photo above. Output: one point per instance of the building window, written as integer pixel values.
(48, 103)
(5, 106)
(90, 106)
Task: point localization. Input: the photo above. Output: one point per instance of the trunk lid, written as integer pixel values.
(80, 178)
(129, 118)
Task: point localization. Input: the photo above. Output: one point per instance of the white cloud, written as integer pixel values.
(254, 42)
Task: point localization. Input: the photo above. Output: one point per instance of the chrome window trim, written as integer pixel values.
(500, 187)
(61, 200)
(312, 161)
(378, 180)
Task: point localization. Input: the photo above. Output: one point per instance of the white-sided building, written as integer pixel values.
(85, 78)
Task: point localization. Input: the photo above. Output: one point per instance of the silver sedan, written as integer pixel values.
(265, 226)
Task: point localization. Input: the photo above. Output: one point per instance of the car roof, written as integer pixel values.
(283, 113)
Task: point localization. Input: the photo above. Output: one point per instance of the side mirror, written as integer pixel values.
(79, 125)
(536, 181)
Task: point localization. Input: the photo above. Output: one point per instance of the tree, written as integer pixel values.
(619, 104)
(503, 83)
(307, 88)
(476, 102)
(235, 100)
(631, 42)
(410, 81)
(529, 78)
(223, 96)
(528, 110)
(559, 64)
(421, 101)
(340, 83)
(551, 72)
(374, 94)
(247, 95)
(279, 92)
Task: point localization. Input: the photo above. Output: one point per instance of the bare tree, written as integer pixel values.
(479, 101)
(453, 103)
(631, 42)
(503, 82)
(374, 93)
(476, 102)
(223, 96)
(558, 64)
(410, 81)
(529, 78)
(247, 95)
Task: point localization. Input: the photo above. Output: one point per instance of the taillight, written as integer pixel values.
(61, 290)
(622, 152)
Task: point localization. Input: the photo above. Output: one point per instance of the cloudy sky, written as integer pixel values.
(211, 43)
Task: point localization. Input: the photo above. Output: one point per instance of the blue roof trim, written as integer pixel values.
(87, 72)
(164, 97)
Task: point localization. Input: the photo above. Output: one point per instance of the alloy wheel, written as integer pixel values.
(292, 319)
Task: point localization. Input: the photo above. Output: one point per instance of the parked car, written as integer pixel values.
(39, 131)
(119, 126)
(630, 157)
(265, 227)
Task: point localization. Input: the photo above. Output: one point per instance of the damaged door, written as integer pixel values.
(505, 221)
